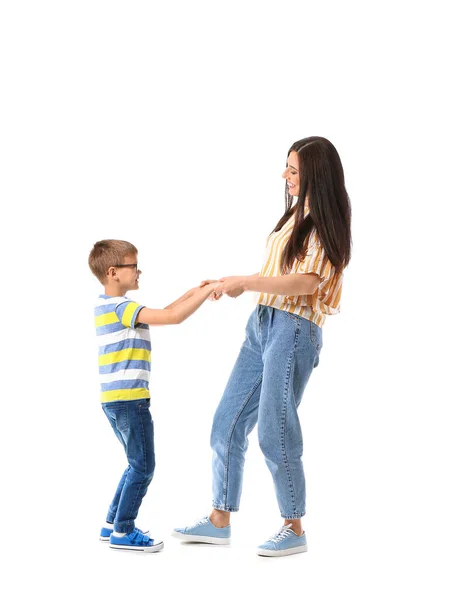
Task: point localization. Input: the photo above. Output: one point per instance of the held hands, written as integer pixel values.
(232, 286)
(214, 282)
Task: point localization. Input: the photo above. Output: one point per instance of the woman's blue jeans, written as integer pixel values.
(265, 387)
(132, 423)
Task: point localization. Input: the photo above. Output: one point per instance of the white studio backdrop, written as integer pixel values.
(168, 124)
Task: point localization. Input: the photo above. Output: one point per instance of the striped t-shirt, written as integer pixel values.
(326, 299)
(124, 349)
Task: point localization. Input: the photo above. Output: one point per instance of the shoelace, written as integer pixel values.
(202, 521)
(281, 535)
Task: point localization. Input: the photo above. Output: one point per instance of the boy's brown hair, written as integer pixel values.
(106, 254)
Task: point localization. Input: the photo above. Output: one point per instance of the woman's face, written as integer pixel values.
(291, 174)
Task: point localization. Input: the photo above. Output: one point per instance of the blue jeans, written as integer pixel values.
(266, 386)
(132, 423)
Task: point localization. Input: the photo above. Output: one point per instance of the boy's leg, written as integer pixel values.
(135, 426)
(138, 437)
(112, 514)
(116, 413)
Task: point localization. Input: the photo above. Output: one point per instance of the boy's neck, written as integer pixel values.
(114, 290)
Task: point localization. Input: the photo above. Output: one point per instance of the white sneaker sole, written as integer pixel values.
(154, 548)
(185, 537)
(296, 550)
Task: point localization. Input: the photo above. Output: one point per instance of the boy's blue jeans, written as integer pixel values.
(265, 387)
(132, 423)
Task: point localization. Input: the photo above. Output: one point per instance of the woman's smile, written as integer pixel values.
(291, 174)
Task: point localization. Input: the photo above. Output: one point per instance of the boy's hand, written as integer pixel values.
(203, 284)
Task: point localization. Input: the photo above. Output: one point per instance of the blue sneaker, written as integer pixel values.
(283, 543)
(106, 532)
(204, 532)
(135, 541)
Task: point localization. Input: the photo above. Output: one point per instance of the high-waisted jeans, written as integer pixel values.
(265, 387)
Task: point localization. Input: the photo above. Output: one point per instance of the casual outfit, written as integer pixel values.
(281, 348)
(124, 368)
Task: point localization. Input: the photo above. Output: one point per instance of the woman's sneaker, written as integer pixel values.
(106, 532)
(135, 541)
(204, 531)
(283, 543)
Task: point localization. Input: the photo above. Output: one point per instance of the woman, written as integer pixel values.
(299, 284)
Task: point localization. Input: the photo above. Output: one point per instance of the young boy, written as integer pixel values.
(122, 327)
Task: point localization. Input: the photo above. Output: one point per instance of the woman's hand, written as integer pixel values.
(214, 295)
(232, 286)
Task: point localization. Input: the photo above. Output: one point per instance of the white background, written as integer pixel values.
(167, 124)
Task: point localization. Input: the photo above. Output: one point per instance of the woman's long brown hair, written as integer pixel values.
(322, 180)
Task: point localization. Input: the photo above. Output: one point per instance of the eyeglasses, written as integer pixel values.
(131, 265)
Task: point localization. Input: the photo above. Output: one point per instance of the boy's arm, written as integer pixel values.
(178, 313)
(181, 299)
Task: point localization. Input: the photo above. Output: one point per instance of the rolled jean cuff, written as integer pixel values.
(294, 516)
(223, 507)
(123, 526)
(110, 518)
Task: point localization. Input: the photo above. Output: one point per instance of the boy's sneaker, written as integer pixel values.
(204, 532)
(283, 543)
(106, 532)
(135, 541)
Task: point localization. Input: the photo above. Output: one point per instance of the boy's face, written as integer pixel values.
(128, 276)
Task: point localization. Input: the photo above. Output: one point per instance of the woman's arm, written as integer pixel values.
(218, 295)
(296, 284)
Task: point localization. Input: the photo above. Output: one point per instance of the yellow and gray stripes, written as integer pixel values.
(326, 299)
(124, 349)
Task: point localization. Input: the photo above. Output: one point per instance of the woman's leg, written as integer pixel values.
(291, 347)
(234, 419)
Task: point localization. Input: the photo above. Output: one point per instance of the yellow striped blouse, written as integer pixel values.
(326, 299)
